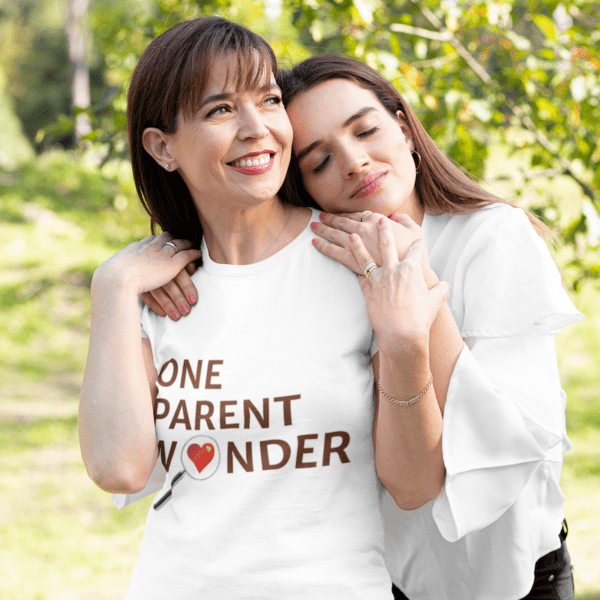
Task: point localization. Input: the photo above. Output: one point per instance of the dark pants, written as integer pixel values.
(553, 578)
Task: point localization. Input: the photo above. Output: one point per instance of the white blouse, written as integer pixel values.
(504, 431)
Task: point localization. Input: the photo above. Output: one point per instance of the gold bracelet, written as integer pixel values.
(405, 402)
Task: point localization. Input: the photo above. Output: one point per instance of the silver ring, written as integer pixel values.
(370, 268)
(172, 245)
(363, 213)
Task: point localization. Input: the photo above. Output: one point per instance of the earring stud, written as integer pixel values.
(167, 167)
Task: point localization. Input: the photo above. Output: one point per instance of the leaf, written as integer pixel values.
(546, 25)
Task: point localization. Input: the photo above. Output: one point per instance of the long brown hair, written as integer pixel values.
(169, 80)
(441, 186)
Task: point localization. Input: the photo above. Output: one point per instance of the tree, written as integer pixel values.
(78, 38)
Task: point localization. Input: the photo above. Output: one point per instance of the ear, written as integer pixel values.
(156, 143)
(405, 129)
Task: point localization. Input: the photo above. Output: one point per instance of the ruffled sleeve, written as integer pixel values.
(506, 280)
(504, 411)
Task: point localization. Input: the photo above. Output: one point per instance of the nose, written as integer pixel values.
(252, 124)
(355, 161)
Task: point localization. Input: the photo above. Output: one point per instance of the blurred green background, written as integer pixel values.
(509, 89)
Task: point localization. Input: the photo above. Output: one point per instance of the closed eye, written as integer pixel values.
(321, 165)
(369, 132)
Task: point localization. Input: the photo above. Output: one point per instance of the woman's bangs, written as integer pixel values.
(249, 66)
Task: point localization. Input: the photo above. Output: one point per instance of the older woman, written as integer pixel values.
(259, 404)
(495, 532)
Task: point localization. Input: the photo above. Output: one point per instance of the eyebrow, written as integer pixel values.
(227, 95)
(355, 117)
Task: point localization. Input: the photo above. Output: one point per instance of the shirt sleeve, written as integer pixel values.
(144, 325)
(155, 484)
(504, 411)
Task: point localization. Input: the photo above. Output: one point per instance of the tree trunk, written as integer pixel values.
(78, 37)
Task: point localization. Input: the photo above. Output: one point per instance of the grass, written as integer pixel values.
(60, 537)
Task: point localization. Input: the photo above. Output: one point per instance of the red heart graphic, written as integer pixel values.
(201, 455)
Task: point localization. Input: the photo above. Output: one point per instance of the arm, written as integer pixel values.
(408, 449)
(116, 424)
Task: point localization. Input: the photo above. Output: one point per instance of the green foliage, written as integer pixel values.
(470, 69)
(61, 216)
(14, 147)
(522, 73)
(33, 56)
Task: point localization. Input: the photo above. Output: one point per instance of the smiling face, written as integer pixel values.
(353, 154)
(234, 150)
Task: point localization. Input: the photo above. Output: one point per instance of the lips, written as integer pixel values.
(368, 185)
(253, 163)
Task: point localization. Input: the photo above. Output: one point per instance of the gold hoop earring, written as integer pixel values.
(418, 161)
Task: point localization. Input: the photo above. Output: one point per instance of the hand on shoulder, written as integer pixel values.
(145, 265)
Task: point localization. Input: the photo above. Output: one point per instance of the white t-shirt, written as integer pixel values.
(504, 422)
(264, 419)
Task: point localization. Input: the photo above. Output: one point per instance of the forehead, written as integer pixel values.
(229, 75)
(325, 107)
(228, 72)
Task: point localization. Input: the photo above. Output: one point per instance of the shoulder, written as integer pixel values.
(505, 279)
(495, 220)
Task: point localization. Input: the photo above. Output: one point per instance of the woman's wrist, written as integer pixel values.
(409, 358)
(108, 279)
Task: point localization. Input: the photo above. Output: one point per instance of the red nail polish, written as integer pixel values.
(381, 221)
(184, 309)
(322, 215)
(315, 241)
(174, 314)
(314, 225)
(192, 298)
(352, 237)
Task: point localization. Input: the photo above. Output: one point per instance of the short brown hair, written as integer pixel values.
(169, 80)
(441, 186)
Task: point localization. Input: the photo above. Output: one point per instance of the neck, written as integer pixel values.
(414, 209)
(246, 236)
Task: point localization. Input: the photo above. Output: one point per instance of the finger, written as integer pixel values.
(163, 238)
(341, 223)
(342, 255)
(187, 287)
(164, 300)
(363, 258)
(335, 236)
(191, 267)
(177, 296)
(152, 304)
(387, 243)
(366, 216)
(355, 216)
(183, 258)
(405, 220)
(180, 244)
